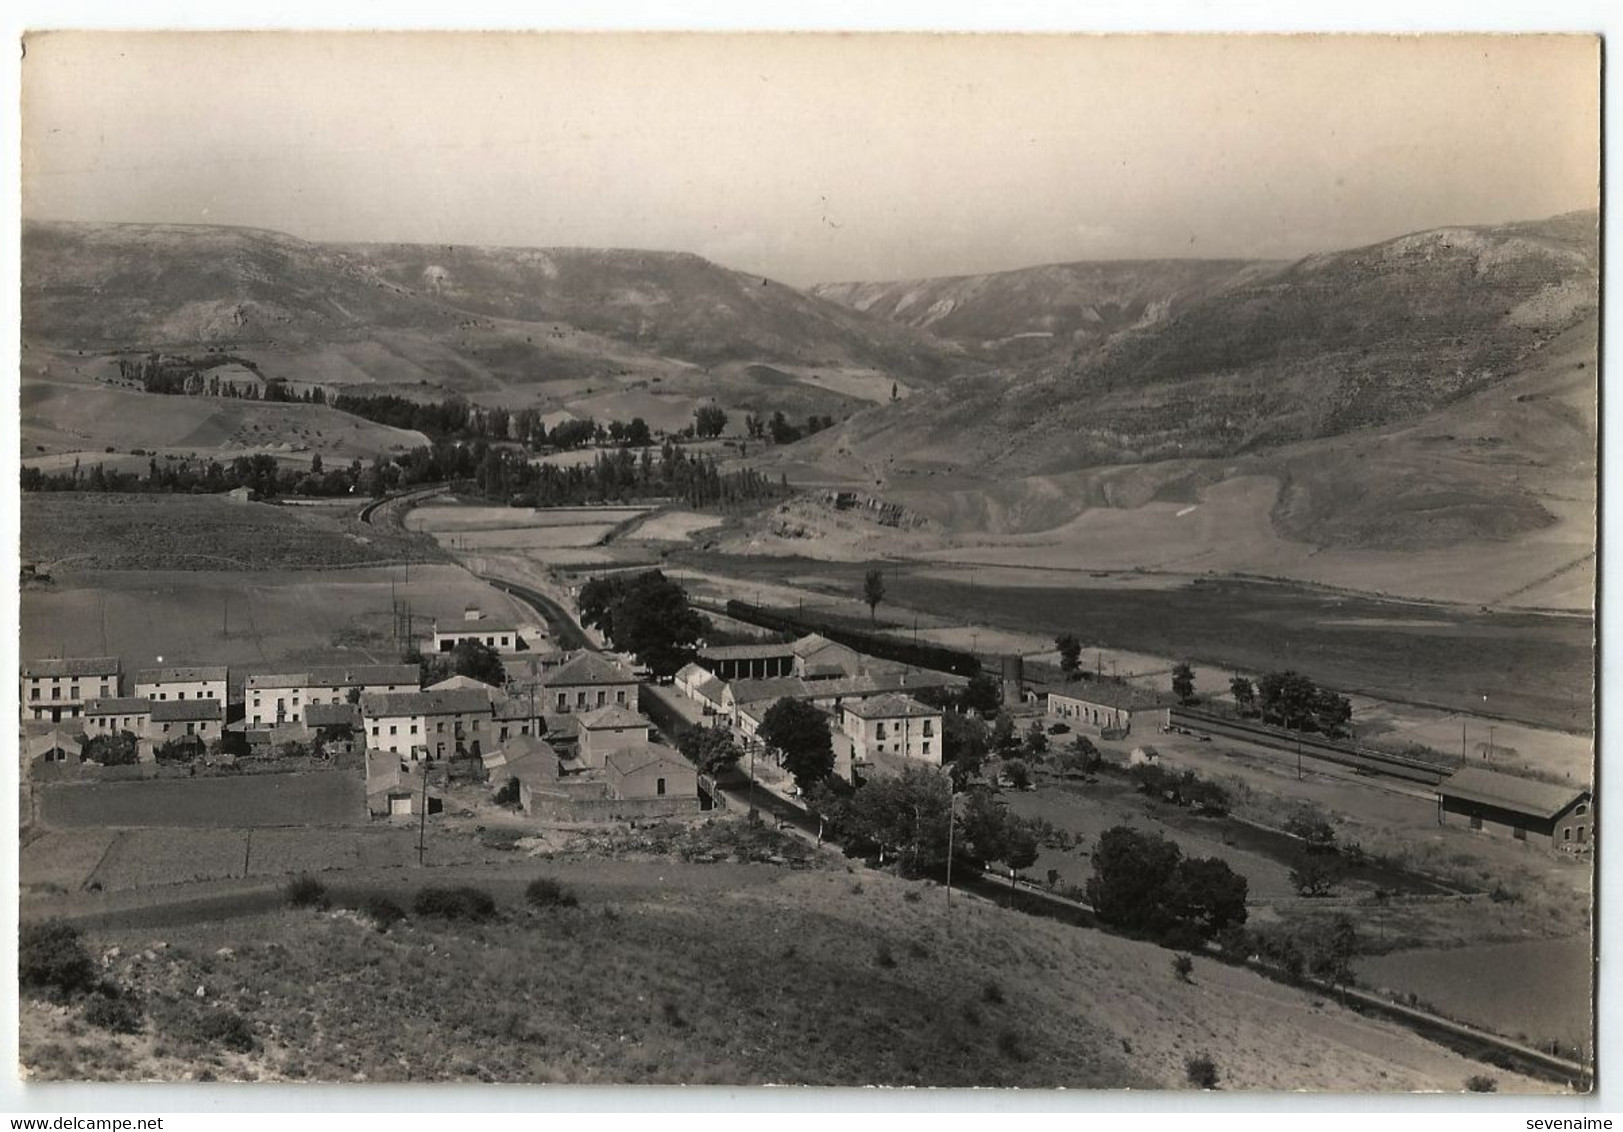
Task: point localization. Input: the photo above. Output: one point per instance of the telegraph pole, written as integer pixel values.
(422, 819)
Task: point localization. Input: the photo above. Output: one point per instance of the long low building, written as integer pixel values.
(1561, 817)
(274, 698)
(204, 682)
(1104, 705)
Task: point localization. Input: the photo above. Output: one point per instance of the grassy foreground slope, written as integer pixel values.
(715, 974)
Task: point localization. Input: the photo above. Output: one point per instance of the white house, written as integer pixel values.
(433, 724)
(174, 719)
(889, 725)
(275, 698)
(118, 713)
(209, 682)
(56, 688)
(588, 682)
(502, 636)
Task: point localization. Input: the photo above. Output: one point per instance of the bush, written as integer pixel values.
(1201, 1071)
(459, 903)
(1010, 1045)
(227, 1029)
(306, 892)
(883, 956)
(508, 794)
(383, 912)
(52, 960)
(1183, 967)
(992, 993)
(1482, 1083)
(544, 892)
(114, 1009)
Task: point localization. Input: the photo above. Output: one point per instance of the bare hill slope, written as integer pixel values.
(1055, 309)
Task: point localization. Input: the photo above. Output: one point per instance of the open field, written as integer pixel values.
(1534, 668)
(543, 539)
(252, 620)
(234, 801)
(65, 407)
(157, 532)
(881, 993)
(1537, 989)
(442, 518)
(673, 526)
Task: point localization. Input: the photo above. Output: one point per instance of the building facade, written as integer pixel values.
(1521, 809)
(210, 682)
(891, 725)
(282, 697)
(588, 682)
(57, 688)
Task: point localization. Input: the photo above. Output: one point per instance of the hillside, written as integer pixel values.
(551, 328)
(1053, 310)
(711, 974)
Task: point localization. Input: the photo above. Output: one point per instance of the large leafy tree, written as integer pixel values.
(646, 615)
(1183, 683)
(800, 732)
(1143, 884)
(873, 591)
(1070, 654)
(712, 749)
(965, 742)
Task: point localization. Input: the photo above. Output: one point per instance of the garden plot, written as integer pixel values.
(238, 801)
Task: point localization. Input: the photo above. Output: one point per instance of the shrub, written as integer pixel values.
(1011, 1046)
(917, 950)
(52, 960)
(305, 892)
(1183, 967)
(227, 1029)
(383, 912)
(113, 1008)
(884, 957)
(912, 896)
(544, 892)
(459, 903)
(1482, 1083)
(992, 993)
(508, 794)
(1201, 1071)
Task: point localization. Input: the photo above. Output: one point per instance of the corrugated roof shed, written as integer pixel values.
(1523, 795)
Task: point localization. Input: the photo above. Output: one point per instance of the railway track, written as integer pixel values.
(1361, 760)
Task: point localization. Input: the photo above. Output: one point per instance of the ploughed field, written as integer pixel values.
(1532, 667)
(535, 531)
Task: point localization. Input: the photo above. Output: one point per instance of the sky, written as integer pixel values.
(815, 157)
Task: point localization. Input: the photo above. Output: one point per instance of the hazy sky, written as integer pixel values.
(815, 157)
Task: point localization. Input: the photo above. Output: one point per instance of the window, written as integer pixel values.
(1583, 808)
(879, 730)
(1476, 821)
(927, 746)
(580, 699)
(659, 787)
(1566, 834)
(257, 722)
(602, 697)
(563, 702)
(33, 693)
(1580, 835)
(180, 695)
(393, 729)
(190, 728)
(73, 692)
(620, 697)
(490, 642)
(374, 727)
(440, 727)
(1520, 834)
(929, 728)
(414, 729)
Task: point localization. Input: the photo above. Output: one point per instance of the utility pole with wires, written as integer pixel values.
(422, 823)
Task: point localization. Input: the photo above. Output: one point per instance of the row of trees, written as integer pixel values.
(781, 430)
(1289, 699)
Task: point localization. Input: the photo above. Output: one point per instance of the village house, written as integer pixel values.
(702, 687)
(648, 773)
(121, 713)
(1522, 809)
(889, 725)
(1105, 705)
(391, 792)
(205, 683)
(830, 694)
(606, 730)
(591, 681)
(282, 697)
(174, 719)
(57, 688)
(433, 724)
(475, 626)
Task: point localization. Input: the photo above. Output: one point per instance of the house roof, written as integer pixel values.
(181, 675)
(691, 671)
(1109, 694)
(774, 688)
(458, 681)
(72, 666)
(746, 652)
(119, 705)
(809, 644)
(181, 711)
(515, 748)
(1524, 795)
(590, 668)
(517, 707)
(711, 688)
(339, 676)
(640, 756)
(612, 716)
(891, 706)
(467, 628)
(450, 701)
(332, 715)
(53, 740)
